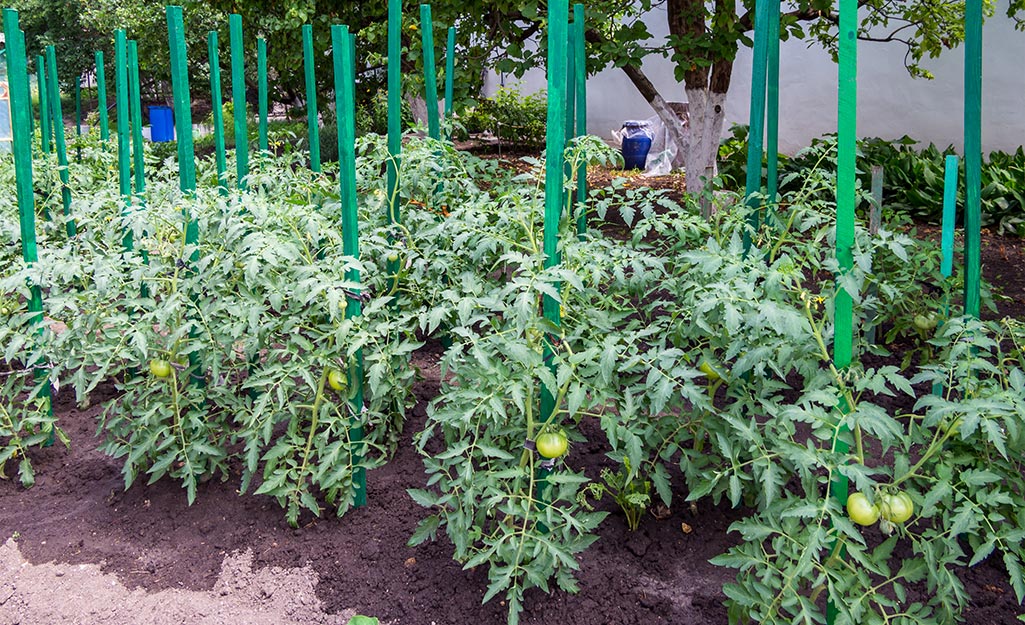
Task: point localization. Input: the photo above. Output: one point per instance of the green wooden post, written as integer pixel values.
(973, 154)
(430, 72)
(580, 54)
(261, 77)
(101, 97)
(843, 337)
(394, 110)
(21, 146)
(124, 157)
(238, 99)
(78, 117)
(772, 106)
(45, 130)
(135, 113)
(186, 153)
(450, 70)
(558, 16)
(61, 146)
(217, 106)
(569, 121)
(947, 236)
(757, 123)
(312, 117)
(345, 99)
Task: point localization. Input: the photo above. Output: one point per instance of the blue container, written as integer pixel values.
(161, 122)
(636, 143)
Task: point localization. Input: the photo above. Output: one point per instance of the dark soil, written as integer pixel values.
(79, 512)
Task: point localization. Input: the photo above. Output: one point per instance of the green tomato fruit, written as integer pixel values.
(160, 368)
(861, 510)
(896, 508)
(552, 444)
(337, 380)
(926, 322)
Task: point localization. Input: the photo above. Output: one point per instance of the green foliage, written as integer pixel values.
(913, 177)
(510, 116)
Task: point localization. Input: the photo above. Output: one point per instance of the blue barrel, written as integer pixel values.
(161, 122)
(636, 143)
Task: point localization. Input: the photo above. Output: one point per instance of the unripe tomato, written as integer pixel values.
(336, 380)
(393, 258)
(896, 508)
(926, 321)
(551, 444)
(160, 368)
(861, 510)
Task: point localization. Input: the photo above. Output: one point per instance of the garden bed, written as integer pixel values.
(150, 539)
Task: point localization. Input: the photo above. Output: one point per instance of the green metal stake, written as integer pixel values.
(135, 114)
(947, 236)
(558, 16)
(580, 53)
(571, 107)
(62, 149)
(186, 153)
(757, 123)
(394, 110)
(261, 76)
(238, 99)
(450, 70)
(45, 130)
(772, 106)
(430, 72)
(312, 117)
(843, 337)
(345, 88)
(21, 145)
(973, 154)
(101, 95)
(78, 118)
(124, 157)
(218, 112)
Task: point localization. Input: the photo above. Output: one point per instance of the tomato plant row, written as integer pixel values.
(705, 368)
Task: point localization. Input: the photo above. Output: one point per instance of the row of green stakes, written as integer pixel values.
(21, 146)
(765, 93)
(343, 50)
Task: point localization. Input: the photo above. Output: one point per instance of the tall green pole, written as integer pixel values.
(843, 336)
(312, 117)
(238, 99)
(78, 117)
(569, 121)
(973, 154)
(135, 97)
(772, 105)
(186, 153)
(261, 77)
(757, 119)
(947, 236)
(217, 105)
(21, 145)
(580, 54)
(394, 109)
(430, 72)
(101, 97)
(124, 158)
(58, 135)
(45, 130)
(450, 70)
(345, 98)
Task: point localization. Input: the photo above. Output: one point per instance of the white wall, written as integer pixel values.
(890, 103)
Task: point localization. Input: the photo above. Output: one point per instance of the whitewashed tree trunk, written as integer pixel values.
(707, 115)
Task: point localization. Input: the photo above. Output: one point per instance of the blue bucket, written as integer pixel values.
(636, 143)
(161, 121)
